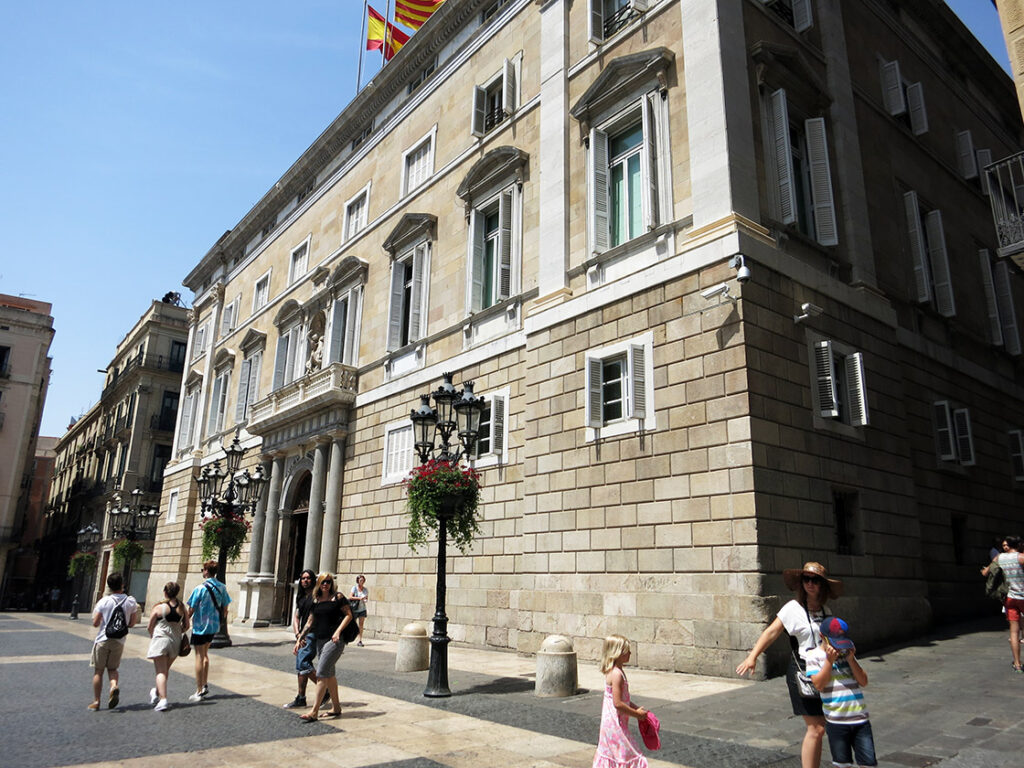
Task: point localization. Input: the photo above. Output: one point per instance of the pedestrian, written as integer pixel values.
(167, 623)
(616, 747)
(207, 606)
(55, 598)
(328, 617)
(304, 658)
(117, 612)
(1010, 561)
(835, 671)
(357, 600)
(800, 619)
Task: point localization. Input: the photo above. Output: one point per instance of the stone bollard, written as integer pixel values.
(413, 653)
(556, 668)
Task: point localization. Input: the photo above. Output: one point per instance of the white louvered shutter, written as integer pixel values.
(987, 281)
(508, 87)
(1007, 311)
(227, 323)
(505, 245)
(984, 157)
(594, 399)
(395, 306)
(943, 431)
(637, 382)
(916, 108)
(821, 182)
(965, 155)
(185, 428)
(596, 21)
(1017, 453)
(355, 302)
(918, 255)
(418, 314)
(964, 439)
(281, 360)
(498, 426)
(211, 422)
(892, 88)
(857, 389)
(599, 202)
(825, 381)
(295, 355)
(783, 156)
(938, 259)
(649, 192)
(475, 286)
(254, 380)
(479, 112)
(243, 391)
(339, 316)
(802, 18)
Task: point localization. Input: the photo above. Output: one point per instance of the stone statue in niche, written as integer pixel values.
(316, 353)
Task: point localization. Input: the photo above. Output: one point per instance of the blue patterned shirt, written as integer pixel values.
(205, 616)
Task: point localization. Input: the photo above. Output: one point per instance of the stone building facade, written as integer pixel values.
(726, 274)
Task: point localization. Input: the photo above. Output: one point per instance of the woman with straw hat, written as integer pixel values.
(800, 619)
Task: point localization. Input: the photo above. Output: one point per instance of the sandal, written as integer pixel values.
(307, 718)
(331, 714)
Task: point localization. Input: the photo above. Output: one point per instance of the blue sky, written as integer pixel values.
(134, 135)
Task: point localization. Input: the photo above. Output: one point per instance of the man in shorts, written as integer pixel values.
(107, 651)
(207, 603)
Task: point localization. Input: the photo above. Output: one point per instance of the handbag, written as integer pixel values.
(804, 685)
(649, 726)
(185, 648)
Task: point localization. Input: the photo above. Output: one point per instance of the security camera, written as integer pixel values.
(722, 289)
(743, 274)
(807, 310)
(739, 263)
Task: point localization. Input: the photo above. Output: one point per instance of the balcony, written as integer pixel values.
(163, 421)
(1004, 181)
(148, 362)
(333, 386)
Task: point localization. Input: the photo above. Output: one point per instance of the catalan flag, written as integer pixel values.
(412, 13)
(382, 35)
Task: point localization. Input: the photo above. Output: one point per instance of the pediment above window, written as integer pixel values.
(290, 310)
(780, 66)
(225, 357)
(194, 380)
(500, 163)
(352, 269)
(623, 74)
(412, 226)
(320, 275)
(253, 341)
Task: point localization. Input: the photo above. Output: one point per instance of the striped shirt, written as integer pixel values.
(842, 700)
(1010, 563)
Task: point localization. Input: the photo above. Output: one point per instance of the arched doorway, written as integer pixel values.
(294, 542)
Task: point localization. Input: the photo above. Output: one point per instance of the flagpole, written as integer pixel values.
(363, 33)
(387, 33)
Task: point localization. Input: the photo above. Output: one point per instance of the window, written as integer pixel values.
(248, 386)
(168, 412)
(5, 362)
(306, 191)
(1002, 315)
(177, 359)
(362, 136)
(1017, 453)
(421, 76)
(903, 99)
(406, 319)
(261, 293)
(218, 403)
(928, 254)
(796, 13)
(172, 507)
(494, 251)
(288, 358)
(953, 439)
(300, 259)
(398, 452)
(495, 101)
(492, 10)
(839, 391)
(161, 455)
(200, 342)
(418, 164)
(844, 508)
(356, 213)
(228, 318)
(493, 435)
(803, 179)
(609, 16)
(344, 328)
(619, 387)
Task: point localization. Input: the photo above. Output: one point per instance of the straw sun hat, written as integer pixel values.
(791, 577)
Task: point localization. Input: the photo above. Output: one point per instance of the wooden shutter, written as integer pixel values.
(964, 439)
(802, 18)
(596, 21)
(508, 87)
(943, 431)
(254, 379)
(637, 382)
(211, 421)
(1007, 311)
(783, 156)
(185, 428)
(594, 394)
(599, 202)
(395, 306)
(918, 255)
(965, 155)
(475, 287)
(892, 88)
(1017, 453)
(294, 358)
(243, 391)
(339, 316)
(984, 157)
(825, 380)
(987, 281)
(857, 389)
(417, 313)
(479, 113)
(649, 185)
(355, 301)
(227, 323)
(505, 245)
(938, 259)
(915, 106)
(821, 182)
(498, 425)
(281, 360)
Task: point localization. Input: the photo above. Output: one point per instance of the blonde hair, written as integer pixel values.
(614, 646)
(319, 583)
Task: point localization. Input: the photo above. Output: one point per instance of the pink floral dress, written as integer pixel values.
(616, 747)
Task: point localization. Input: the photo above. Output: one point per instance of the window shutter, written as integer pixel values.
(637, 382)
(783, 157)
(211, 422)
(965, 154)
(915, 105)
(650, 184)
(355, 300)
(987, 281)
(964, 439)
(802, 19)
(417, 313)
(498, 425)
(857, 389)
(918, 254)
(254, 380)
(228, 320)
(479, 112)
(475, 287)
(599, 202)
(1017, 453)
(339, 316)
(1007, 312)
(943, 431)
(294, 358)
(395, 308)
(892, 88)
(596, 21)
(508, 87)
(594, 407)
(243, 391)
(823, 372)
(984, 157)
(505, 226)
(821, 182)
(185, 428)
(938, 259)
(281, 360)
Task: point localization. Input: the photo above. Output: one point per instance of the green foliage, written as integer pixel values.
(81, 562)
(230, 531)
(438, 486)
(127, 551)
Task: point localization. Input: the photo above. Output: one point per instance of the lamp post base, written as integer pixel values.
(437, 676)
(221, 639)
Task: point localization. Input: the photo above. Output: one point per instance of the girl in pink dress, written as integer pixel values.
(616, 747)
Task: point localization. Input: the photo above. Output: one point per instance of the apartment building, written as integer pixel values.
(726, 274)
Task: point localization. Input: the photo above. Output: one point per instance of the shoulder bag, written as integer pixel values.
(803, 682)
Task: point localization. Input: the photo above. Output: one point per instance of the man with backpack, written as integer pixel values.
(207, 605)
(115, 614)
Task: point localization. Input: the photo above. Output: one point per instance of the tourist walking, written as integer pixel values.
(1010, 561)
(357, 600)
(167, 623)
(328, 618)
(616, 747)
(304, 658)
(800, 618)
(207, 607)
(114, 614)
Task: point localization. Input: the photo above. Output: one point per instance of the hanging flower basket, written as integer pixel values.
(81, 562)
(127, 551)
(440, 489)
(229, 531)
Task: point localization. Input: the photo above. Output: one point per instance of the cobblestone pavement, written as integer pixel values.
(949, 700)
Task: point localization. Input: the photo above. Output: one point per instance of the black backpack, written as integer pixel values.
(117, 624)
(351, 630)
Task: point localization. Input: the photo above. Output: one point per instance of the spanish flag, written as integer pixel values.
(377, 27)
(412, 13)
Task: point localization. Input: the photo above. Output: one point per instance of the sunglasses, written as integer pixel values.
(813, 580)
(326, 582)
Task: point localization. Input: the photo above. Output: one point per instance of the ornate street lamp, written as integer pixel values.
(228, 501)
(432, 429)
(88, 541)
(133, 522)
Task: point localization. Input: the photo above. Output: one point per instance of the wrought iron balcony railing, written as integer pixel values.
(1004, 182)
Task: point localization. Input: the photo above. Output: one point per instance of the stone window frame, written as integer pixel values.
(229, 317)
(363, 195)
(638, 395)
(505, 82)
(345, 301)
(837, 377)
(217, 417)
(428, 140)
(302, 249)
(287, 354)
(252, 346)
(172, 507)
(256, 304)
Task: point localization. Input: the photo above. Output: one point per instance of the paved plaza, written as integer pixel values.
(949, 700)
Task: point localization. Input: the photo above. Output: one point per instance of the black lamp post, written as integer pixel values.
(237, 497)
(433, 428)
(135, 523)
(88, 538)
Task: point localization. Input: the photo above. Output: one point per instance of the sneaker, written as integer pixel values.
(197, 696)
(360, 643)
(152, 696)
(115, 696)
(161, 705)
(298, 701)
(205, 692)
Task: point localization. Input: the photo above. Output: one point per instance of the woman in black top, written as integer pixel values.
(329, 616)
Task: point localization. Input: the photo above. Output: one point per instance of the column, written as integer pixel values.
(273, 514)
(332, 514)
(315, 520)
(258, 524)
